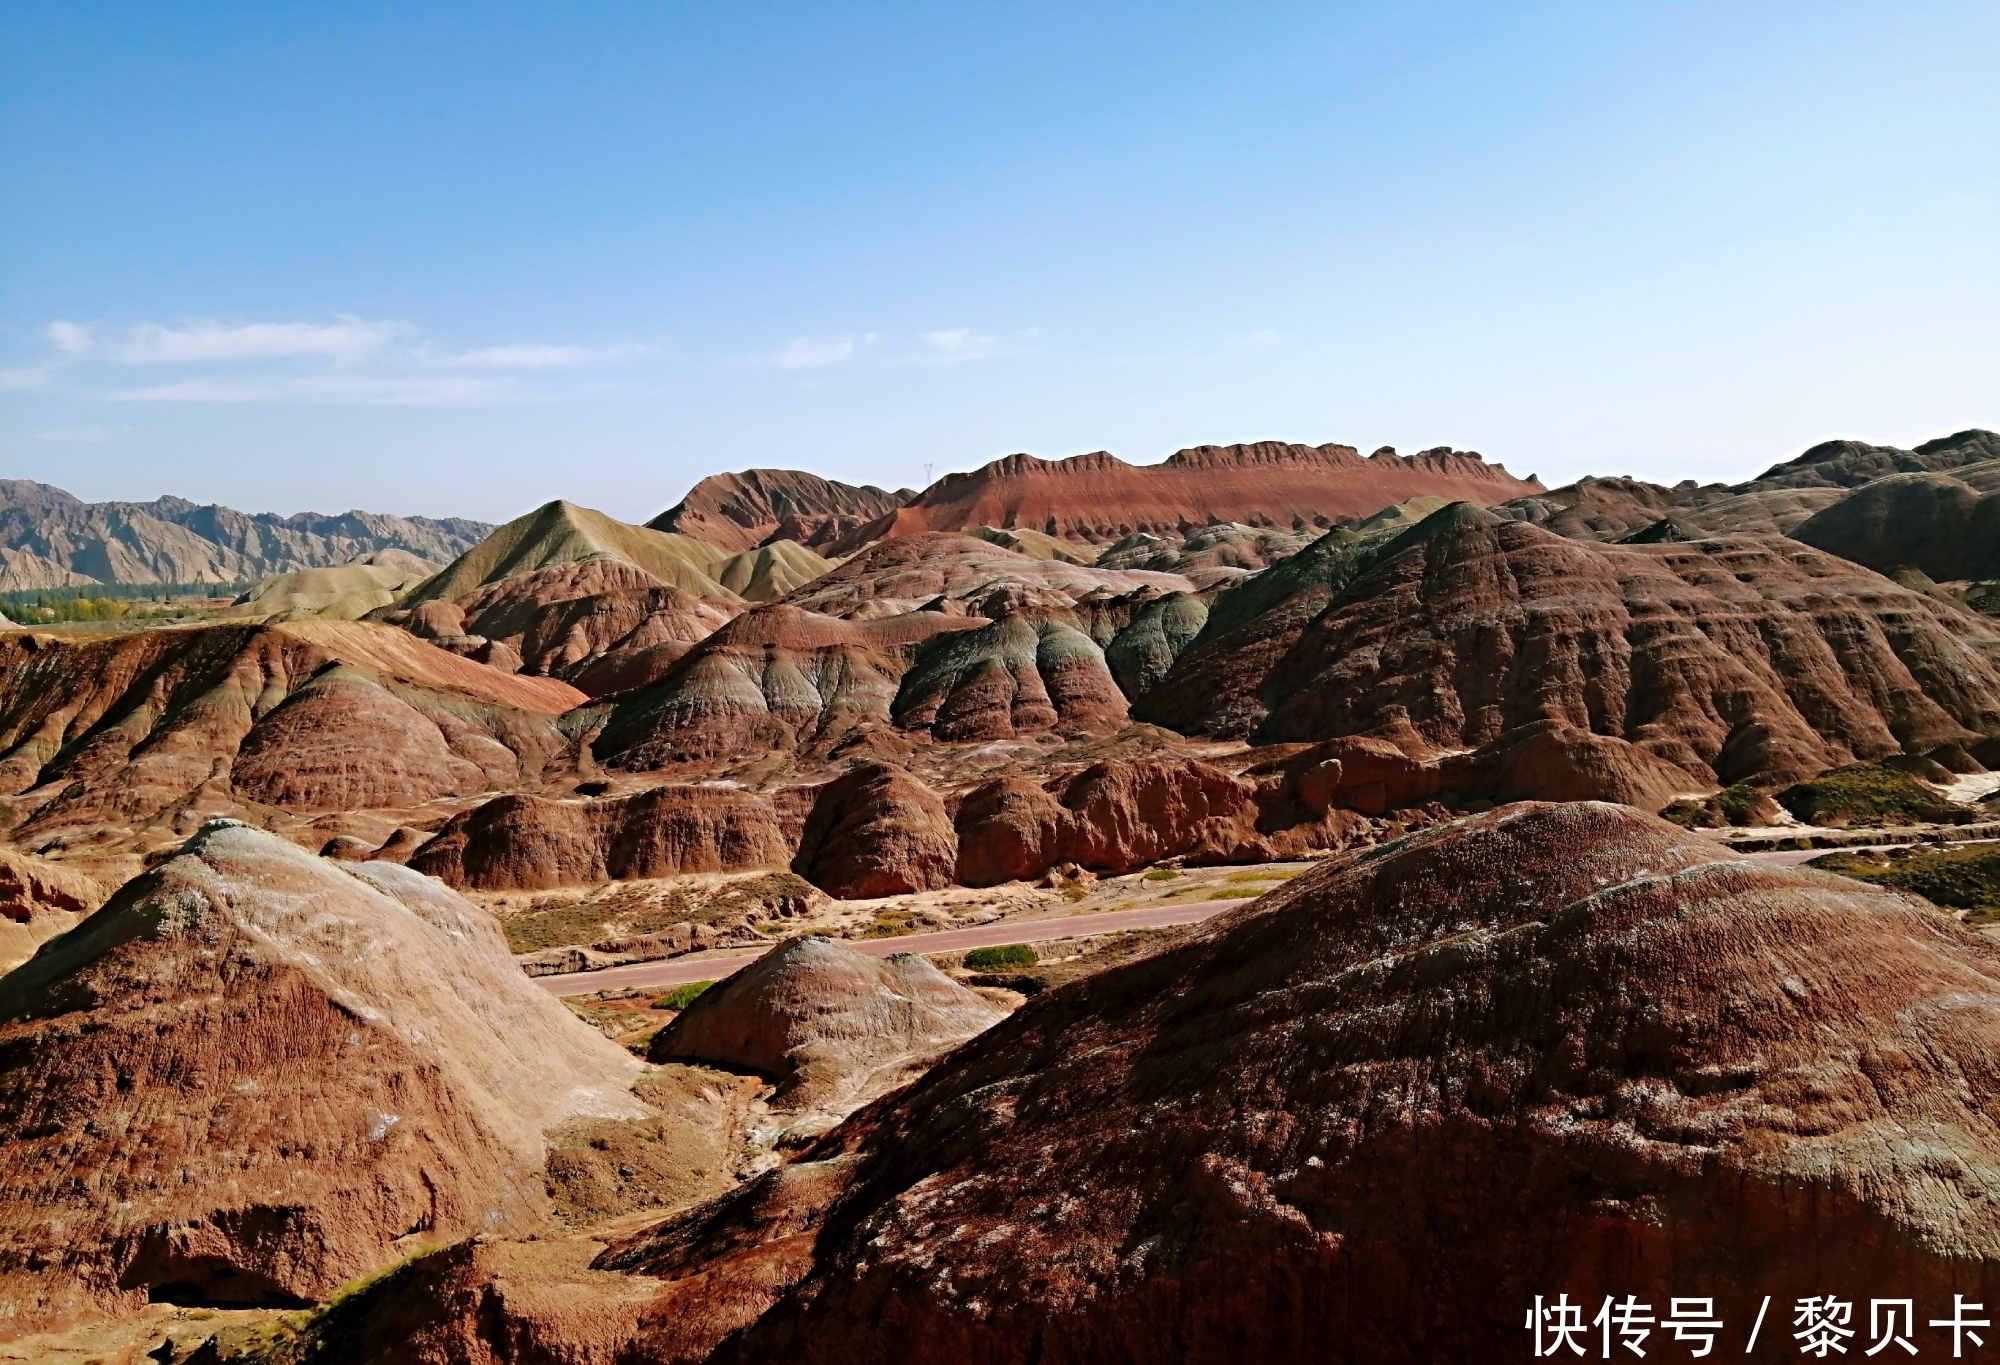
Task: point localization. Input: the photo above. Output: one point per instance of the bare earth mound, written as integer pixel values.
(1374, 1114)
(254, 1075)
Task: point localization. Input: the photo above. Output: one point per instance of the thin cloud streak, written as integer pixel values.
(346, 389)
(347, 341)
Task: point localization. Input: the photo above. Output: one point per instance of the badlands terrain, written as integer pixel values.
(1276, 904)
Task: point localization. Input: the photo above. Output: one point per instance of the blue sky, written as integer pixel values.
(459, 259)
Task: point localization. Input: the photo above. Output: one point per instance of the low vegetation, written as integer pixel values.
(1733, 807)
(1162, 874)
(1964, 877)
(648, 909)
(680, 997)
(995, 959)
(1868, 794)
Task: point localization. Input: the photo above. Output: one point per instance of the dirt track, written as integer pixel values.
(714, 966)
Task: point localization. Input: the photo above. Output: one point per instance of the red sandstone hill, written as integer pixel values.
(1729, 659)
(165, 724)
(744, 510)
(1099, 498)
(1371, 1116)
(256, 1074)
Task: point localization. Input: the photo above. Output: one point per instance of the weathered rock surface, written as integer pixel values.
(1372, 1115)
(1014, 676)
(254, 1075)
(1733, 659)
(1946, 526)
(902, 575)
(1110, 818)
(756, 507)
(308, 715)
(561, 533)
(775, 678)
(345, 593)
(1100, 499)
(877, 831)
(172, 540)
(532, 843)
(833, 1027)
(603, 625)
(38, 900)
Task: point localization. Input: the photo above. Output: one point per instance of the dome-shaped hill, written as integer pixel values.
(1371, 1116)
(563, 533)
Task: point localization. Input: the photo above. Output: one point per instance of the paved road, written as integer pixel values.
(679, 971)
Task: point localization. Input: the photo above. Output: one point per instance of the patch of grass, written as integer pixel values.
(1162, 874)
(993, 959)
(1241, 894)
(1075, 893)
(892, 924)
(1867, 794)
(1963, 878)
(1732, 807)
(680, 997)
(1242, 877)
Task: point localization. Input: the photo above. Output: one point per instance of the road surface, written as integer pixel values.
(1792, 857)
(678, 971)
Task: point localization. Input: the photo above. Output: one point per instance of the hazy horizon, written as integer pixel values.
(452, 262)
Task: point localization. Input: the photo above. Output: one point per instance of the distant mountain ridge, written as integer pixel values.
(49, 539)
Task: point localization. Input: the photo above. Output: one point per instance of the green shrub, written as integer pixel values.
(1162, 874)
(680, 997)
(1734, 807)
(1867, 794)
(993, 959)
(1966, 877)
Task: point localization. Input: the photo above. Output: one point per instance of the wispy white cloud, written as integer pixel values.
(349, 360)
(345, 389)
(86, 434)
(542, 357)
(70, 338)
(811, 353)
(347, 340)
(956, 345)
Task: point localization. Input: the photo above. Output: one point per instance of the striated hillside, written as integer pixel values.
(255, 1075)
(1730, 659)
(172, 540)
(760, 506)
(1100, 499)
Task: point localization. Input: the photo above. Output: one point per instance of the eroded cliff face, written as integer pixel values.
(757, 506)
(1100, 499)
(256, 1074)
(1731, 659)
(1372, 1115)
(151, 725)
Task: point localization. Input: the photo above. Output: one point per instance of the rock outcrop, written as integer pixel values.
(256, 1074)
(172, 540)
(774, 679)
(1553, 1049)
(533, 843)
(1014, 676)
(1735, 659)
(561, 533)
(1100, 499)
(1946, 526)
(1111, 818)
(346, 593)
(833, 1027)
(602, 624)
(134, 727)
(38, 900)
(877, 831)
(760, 506)
(902, 575)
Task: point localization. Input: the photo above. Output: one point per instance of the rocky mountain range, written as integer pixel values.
(49, 539)
(1276, 904)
